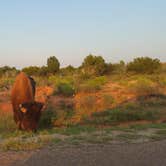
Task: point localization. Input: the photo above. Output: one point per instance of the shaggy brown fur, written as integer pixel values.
(23, 95)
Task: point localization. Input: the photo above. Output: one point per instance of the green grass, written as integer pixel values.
(19, 140)
(128, 136)
(159, 135)
(74, 130)
(25, 143)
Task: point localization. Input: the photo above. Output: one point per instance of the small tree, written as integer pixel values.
(94, 65)
(144, 65)
(53, 64)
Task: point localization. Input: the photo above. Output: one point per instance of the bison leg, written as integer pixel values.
(17, 121)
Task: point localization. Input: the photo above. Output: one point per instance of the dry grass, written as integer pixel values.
(7, 123)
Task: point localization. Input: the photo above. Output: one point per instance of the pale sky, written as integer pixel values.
(33, 30)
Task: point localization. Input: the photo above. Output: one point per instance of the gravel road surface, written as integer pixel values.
(145, 154)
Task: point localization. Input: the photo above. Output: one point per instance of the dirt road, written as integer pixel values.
(146, 154)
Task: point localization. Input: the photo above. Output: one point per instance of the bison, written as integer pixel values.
(26, 110)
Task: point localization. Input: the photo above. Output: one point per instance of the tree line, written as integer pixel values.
(91, 65)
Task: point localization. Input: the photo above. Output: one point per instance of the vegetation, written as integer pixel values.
(65, 89)
(117, 68)
(144, 86)
(52, 67)
(144, 65)
(145, 108)
(31, 70)
(7, 124)
(53, 64)
(94, 65)
(8, 71)
(88, 98)
(92, 85)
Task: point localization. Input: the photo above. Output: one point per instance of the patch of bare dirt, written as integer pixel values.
(6, 107)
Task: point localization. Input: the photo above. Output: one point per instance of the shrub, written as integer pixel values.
(47, 118)
(144, 65)
(65, 89)
(94, 65)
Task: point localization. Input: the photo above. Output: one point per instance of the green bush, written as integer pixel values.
(65, 89)
(144, 65)
(47, 118)
(94, 65)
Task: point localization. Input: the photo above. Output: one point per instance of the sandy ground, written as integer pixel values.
(145, 154)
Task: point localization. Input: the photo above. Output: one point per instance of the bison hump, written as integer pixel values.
(23, 89)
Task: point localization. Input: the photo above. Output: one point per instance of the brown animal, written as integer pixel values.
(26, 111)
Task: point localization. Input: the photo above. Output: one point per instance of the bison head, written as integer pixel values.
(31, 114)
